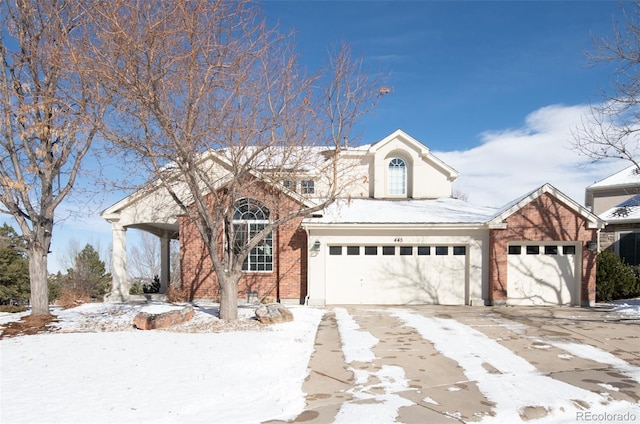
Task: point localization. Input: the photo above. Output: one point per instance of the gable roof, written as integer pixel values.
(423, 151)
(626, 178)
(512, 207)
(155, 188)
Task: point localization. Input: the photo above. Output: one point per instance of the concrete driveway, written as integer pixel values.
(439, 364)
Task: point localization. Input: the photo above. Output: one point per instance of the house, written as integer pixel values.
(616, 200)
(396, 236)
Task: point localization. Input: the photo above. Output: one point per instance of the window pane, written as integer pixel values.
(307, 187)
(568, 250)
(335, 250)
(248, 209)
(424, 250)
(406, 250)
(397, 176)
(442, 250)
(533, 250)
(261, 257)
(353, 250)
(551, 250)
(459, 250)
(240, 237)
(515, 250)
(388, 250)
(250, 218)
(371, 250)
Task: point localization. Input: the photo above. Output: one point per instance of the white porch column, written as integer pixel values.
(165, 262)
(119, 284)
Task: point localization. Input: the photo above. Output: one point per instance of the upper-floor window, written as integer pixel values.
(397, 177)
(289, 184)
(307, 187)
(251, 217)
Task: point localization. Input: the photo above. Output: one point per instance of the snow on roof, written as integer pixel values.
(512, 203)
(413, 211)
(628, 176)
(629, 210)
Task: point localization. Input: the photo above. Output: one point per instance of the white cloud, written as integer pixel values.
(513, 162)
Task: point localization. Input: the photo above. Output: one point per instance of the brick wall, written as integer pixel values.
(287, 281)
(543, 219)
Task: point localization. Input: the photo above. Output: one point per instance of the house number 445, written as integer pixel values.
(398, 239)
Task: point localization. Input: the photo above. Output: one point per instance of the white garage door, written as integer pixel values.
(542, 275)
(396, 275)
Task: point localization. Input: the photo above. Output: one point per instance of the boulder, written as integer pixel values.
(152, 321)
(273, 313)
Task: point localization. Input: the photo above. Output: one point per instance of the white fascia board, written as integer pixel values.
(424, 152)
(451, 172)
(409, 226)
(593, 221)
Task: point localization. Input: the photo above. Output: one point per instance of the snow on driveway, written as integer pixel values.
(97, 369)
(519, 385)
(388, 381)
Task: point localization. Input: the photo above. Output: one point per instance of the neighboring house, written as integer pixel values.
(397, 236)
(616, 200)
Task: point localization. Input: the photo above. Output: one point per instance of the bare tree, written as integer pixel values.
(611, 130)
(214, 103)
(145, 257)
(48, 122)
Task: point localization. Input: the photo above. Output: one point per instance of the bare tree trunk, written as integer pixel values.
(229, 296)
(38, 278)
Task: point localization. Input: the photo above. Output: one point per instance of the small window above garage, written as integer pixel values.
(533, 250)
(515, 250)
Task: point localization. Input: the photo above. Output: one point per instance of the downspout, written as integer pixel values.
(277, 243)
(306, 297)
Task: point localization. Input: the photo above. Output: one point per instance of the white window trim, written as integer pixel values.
(248, 224)
(392, 184)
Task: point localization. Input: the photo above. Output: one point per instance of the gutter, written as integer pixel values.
(394, 226)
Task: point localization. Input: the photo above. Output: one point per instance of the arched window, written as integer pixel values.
(249, 218)
(397, 177)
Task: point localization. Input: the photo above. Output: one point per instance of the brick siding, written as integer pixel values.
(543, 219)
(287, 281)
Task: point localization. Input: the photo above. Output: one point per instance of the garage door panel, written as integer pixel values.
(541, 279)
(396, 279)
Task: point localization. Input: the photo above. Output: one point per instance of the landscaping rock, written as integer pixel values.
(151, 321)
(273, 313)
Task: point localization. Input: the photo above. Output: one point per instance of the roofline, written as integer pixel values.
(613, 187)
(394, 226)
(605, 187)
(425, 152)
(594, 221)
(111, 212)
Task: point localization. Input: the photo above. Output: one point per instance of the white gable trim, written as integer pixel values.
(516, 205)
(141, 195)
(423, 151)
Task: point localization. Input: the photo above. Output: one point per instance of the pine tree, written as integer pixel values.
(88, 277)
(14, 268)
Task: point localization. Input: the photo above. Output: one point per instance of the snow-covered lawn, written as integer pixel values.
(100, 375)
(97, 369)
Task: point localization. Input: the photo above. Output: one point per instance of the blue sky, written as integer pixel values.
(459, 68)
(494, 88)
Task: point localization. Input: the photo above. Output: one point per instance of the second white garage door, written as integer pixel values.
(397, 275)
(542, 275)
